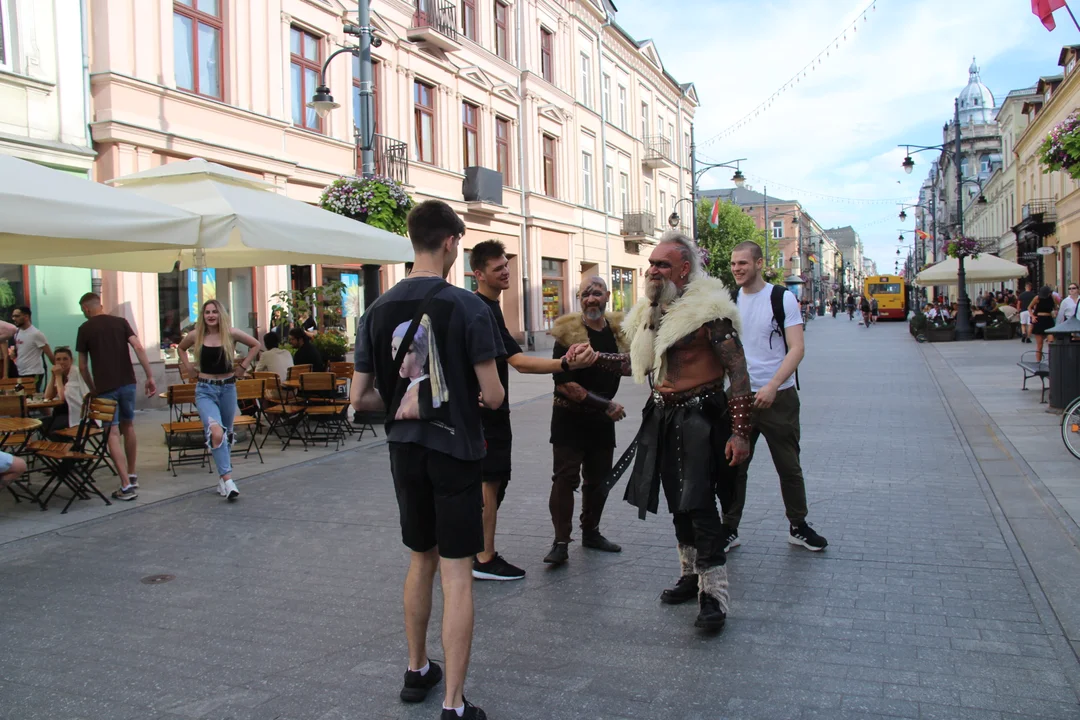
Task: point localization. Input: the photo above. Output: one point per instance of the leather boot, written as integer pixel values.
(712, 599)
(686, 588)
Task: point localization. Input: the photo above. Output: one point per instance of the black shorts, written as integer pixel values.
(500, 440)
(439, 500)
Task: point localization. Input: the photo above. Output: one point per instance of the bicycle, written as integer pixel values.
(1070, 428)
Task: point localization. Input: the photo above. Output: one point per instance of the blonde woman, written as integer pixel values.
(215, 396)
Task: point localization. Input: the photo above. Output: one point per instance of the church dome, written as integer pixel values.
(976, 101)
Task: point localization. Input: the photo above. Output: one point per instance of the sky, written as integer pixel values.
(835, 133)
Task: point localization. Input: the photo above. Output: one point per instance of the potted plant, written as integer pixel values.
(917, 324)
(963, 247)
(332, 345)
(998, 327)
(941, 332)
(1061, 149)
(378, 201)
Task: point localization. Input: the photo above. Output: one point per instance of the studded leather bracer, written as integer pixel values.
(617, 363)
(739, 407)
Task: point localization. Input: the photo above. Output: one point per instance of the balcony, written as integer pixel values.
(638, 226)
(1038, 217)
(435, 24)
(391, 158)
(657, 152)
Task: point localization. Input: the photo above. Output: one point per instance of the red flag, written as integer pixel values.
(714, 217)
(1044, 10)
(922, 235)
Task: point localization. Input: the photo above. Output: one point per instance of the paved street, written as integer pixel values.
(287, 604)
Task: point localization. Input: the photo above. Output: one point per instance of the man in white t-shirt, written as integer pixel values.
(274, 358)
(30, 346)
(773, 355)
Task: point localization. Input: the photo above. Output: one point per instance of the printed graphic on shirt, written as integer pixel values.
(426, 395)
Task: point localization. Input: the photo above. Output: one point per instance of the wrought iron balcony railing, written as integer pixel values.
(439, 15)
(657, 149)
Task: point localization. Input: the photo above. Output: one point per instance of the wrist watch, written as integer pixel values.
(565, 364)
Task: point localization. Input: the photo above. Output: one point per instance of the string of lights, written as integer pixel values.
(812, 66)
(772, 184)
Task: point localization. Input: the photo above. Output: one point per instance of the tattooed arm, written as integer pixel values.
(728, 348)
(575, 393)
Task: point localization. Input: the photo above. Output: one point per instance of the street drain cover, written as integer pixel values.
(157, 579)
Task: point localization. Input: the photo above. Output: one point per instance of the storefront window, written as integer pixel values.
(178, 306)
(352, 299)
(622, 289)
(12, 292)
(470, 279)
(552, 271)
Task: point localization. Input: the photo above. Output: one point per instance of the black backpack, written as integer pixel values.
(776, 299)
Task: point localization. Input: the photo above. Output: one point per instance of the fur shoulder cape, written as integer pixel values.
(706, 299)
(570, 329)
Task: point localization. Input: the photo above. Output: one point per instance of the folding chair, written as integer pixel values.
(296, 371)
(73, 465)
(25, 383)
(344, 371)
(323, 409)
(185, 438)
(178, 397)
(250, 392)
(280, 414)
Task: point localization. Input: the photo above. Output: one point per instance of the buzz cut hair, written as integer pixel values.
(751, 247)
(687, 248)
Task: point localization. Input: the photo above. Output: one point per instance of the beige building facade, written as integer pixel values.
(589, 132)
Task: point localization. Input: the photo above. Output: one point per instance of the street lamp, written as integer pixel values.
(674, 219)
(323, 102)
(695, 175)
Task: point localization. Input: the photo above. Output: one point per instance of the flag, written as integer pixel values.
(1044, 10)
(714, 216)
(922, 235)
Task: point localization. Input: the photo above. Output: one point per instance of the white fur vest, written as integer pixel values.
(705, 299)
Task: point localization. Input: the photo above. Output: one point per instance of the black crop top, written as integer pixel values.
(212, 361)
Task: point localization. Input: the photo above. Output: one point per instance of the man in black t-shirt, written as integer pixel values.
(435, 436)
(583, 417)
(491, 268)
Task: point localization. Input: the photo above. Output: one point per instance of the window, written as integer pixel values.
(502, 35)
(777, 229)
(552, 290)
(964, 166)
(5, 61)
(549, 166)
(606, 90)
(502, 148)
(468, 18)
(197, 31)
(306, 65)
(686, 144)
(546, 42)
(624, 191)
(622, 107)
(609, 189)
(984, 164)
(374, 92)
(587, 180)
(663, 206)
(424, 117)
(644, 120)
(660, 126)
(586, 80)
(470, 134)
(648, 197)
(470, 279)
(622, 289)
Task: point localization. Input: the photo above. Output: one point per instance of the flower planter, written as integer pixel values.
(999, 332)
(940, 334)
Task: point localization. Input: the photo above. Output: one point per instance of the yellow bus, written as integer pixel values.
(889, 291)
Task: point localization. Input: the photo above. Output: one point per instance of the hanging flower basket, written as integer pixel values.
(770, 274)
(963, 247)
(378, 201)
(1061, 149)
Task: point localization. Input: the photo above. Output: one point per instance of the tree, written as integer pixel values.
(733, 227)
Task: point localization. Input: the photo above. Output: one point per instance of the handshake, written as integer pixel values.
(580, 356)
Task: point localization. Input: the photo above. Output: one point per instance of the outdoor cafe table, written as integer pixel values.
(38, 405)
(294, 384)
(12, 426)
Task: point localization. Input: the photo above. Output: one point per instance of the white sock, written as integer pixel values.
(424, 670)
(459, 710)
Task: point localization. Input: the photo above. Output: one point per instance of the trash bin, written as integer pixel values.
(1064, 364)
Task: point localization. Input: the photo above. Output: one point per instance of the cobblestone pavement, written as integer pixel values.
(287, 604)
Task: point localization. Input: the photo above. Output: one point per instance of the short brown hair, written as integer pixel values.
(431, 223)
(484, 252)
(90, 298)
(749, 246)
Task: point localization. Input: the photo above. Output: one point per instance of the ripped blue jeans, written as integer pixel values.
(217, 406)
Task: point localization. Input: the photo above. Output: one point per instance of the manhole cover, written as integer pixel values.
(157, 579)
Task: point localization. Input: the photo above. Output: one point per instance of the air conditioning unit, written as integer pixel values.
(482, 185)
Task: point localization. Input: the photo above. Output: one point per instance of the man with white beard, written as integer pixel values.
(684, 341)
(583, 417)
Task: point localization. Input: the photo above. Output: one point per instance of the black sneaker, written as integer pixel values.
(471, 713)
(804, 535)
(417, 686)
(730, 539)
(558, 554)
(685, 590)
(496, 569)
(596, 541)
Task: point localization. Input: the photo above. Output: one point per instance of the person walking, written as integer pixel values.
(873, 309)
(864, 308)
(1024, 303)
(491, 269)
(1043, 309)
(214, 340)
(583, 417)
(1069, 305)
(850, 307)
(103, 342)
(30, 347)
(772, 339)
(425, 350)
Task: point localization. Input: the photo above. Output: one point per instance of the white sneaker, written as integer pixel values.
(230, 490)
(221, 488)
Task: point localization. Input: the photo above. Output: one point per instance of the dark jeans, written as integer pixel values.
(702, 530)
(780, 426)
(571, 466)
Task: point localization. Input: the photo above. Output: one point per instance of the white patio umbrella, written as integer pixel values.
(985, 268)
(47, 215)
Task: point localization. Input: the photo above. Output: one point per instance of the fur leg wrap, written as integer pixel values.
(687, 560)
(714, 583)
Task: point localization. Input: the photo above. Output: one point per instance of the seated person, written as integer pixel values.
(306, 352)
(66, 385)
(274, 358)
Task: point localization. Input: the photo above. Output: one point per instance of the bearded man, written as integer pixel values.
(684, 341)
(582, 421)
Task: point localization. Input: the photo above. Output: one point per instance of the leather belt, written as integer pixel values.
(218, 381)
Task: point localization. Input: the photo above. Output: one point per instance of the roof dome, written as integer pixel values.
(976, 101)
